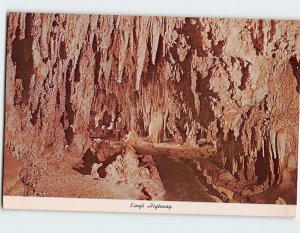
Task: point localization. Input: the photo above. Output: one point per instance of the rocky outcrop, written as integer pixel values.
(135, 172)
(73, 78)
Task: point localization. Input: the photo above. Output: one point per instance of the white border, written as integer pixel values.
(126, 206)
(79, 222)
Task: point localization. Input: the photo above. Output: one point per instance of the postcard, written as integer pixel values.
(174, 115)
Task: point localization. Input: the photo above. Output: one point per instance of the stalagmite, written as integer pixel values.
(180, 82)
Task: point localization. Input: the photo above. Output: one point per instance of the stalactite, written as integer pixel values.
(169, 78)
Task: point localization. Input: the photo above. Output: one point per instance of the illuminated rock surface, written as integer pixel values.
(211, 102)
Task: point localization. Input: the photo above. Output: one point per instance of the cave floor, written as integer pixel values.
(179, 181)
(184, 177)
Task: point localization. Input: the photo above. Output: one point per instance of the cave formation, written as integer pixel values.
(194, 109)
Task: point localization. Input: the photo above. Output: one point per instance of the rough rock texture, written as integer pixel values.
(72, 79)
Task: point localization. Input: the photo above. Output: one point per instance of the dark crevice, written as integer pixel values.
(140, 122)
(101, 171)
(150, 75)
(70, 114)
(272, 31)
(63, 50)
(180, 125)
(22, 57)
(260, 166)
(58, 98)
(95, 44)
(77, 68)
(194, 36)
(185, 81)
(268, 157)
(245, 74)
(296, 71)
(205, 95)
(49, 52)
(246, 162)
(97, 68)
(88, 160)
(232, 149)
(147, 195)
(258, 42)
(276, 167)
(88, 32)
(218, 48)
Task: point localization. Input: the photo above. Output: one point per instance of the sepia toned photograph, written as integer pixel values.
(140, 108)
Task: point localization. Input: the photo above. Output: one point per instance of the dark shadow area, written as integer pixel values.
(147, 195)
(101, 171)
(296, 71)
(22, 57)
(88, 160)
(70, 114)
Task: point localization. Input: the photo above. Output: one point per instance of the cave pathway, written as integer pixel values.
(179, 181)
